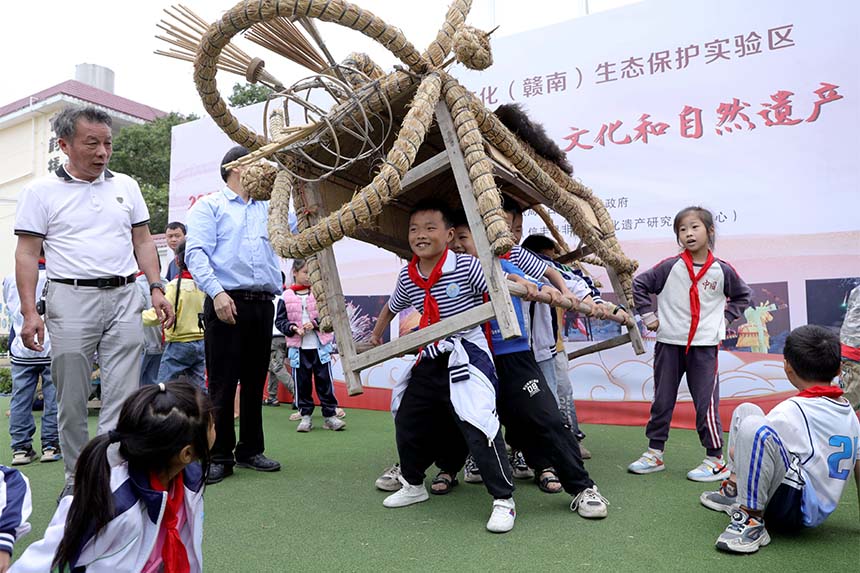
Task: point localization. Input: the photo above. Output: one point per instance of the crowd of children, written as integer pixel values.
(138, 498)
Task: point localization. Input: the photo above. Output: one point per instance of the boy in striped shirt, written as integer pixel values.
(448, 399)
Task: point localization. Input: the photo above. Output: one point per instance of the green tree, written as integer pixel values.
(143, 152)
(246, 94)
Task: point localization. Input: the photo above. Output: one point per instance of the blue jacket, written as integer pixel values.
(500, 345)
(15, 507)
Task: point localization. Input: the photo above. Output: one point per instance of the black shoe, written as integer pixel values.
(271, 402)
(260, 463)
(68, 489)
(217, 473)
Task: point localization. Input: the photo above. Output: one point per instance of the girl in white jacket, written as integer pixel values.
(145, 513)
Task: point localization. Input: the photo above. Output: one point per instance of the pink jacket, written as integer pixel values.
(293, 306)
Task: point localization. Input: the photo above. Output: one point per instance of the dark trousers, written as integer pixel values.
(428, 430)
(533, 422)
(311, 372)
(671, 362)
(238, 353)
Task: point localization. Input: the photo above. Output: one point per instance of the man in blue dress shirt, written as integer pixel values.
(229, 255)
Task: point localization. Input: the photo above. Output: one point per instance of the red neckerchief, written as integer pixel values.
(173, 553)
(850, 353)
(431, 307)
(297, 288)
(488, 330)
(186, 275)
(506, 256)
(821, 392)
(695, 304)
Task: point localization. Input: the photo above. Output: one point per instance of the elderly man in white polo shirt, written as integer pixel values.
(93, 224)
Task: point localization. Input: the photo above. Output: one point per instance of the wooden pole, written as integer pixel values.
(583, 307)
(334, 295)
(602, 345)
(633, 330)
(496, 281)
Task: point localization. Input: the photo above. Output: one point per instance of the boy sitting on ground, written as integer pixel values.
(789, 468)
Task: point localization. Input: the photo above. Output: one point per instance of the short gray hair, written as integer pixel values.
(65, 122)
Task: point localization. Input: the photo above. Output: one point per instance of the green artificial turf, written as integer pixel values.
(322, 513)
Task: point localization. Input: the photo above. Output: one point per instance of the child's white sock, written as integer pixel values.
(715, 459)
(656, 453)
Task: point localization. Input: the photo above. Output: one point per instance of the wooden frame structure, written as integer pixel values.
(500, 305)
(367, 187)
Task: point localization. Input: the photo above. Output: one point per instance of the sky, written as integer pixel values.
(43, 41)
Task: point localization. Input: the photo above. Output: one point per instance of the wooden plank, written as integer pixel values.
(602, 345)
(635, 336)
(424, 171)
(524, 187)
(507, 171)
(423, 337)
(575, 254)
(496, 279)
(334, 295)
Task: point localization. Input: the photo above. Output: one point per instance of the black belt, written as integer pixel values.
(251, 295)
(106, 282)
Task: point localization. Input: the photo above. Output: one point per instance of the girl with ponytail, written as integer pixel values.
(141, 511)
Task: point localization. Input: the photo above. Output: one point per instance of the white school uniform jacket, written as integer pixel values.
(723, 296)
(823, 437)
(15, 507)
(127, 541)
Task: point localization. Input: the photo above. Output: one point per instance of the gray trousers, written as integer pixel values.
(278, 371)
(757, 456)
(565, 392)
(671, 362)
(83, 321)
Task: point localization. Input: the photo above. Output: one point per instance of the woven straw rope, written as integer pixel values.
(314, 273)
(369, 201)
(279, 221)
(550, 224)
(472, 48)
(247, 13)
(535, 170)
(480, 168)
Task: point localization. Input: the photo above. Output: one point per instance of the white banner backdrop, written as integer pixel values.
(748, 109)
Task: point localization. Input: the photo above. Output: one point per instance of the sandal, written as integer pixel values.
(547, 477)
(445, 479)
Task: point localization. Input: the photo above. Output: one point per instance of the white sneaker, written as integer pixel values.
(589, 503)
(334, 423)
(710, 470)
(471, 473)
(407, 495)
(648, 463)
(305, 425)
(390, 479)
(503, 516)
(23, 457)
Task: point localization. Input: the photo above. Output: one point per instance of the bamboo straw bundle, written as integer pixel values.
(284, 38)
(184, 29)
